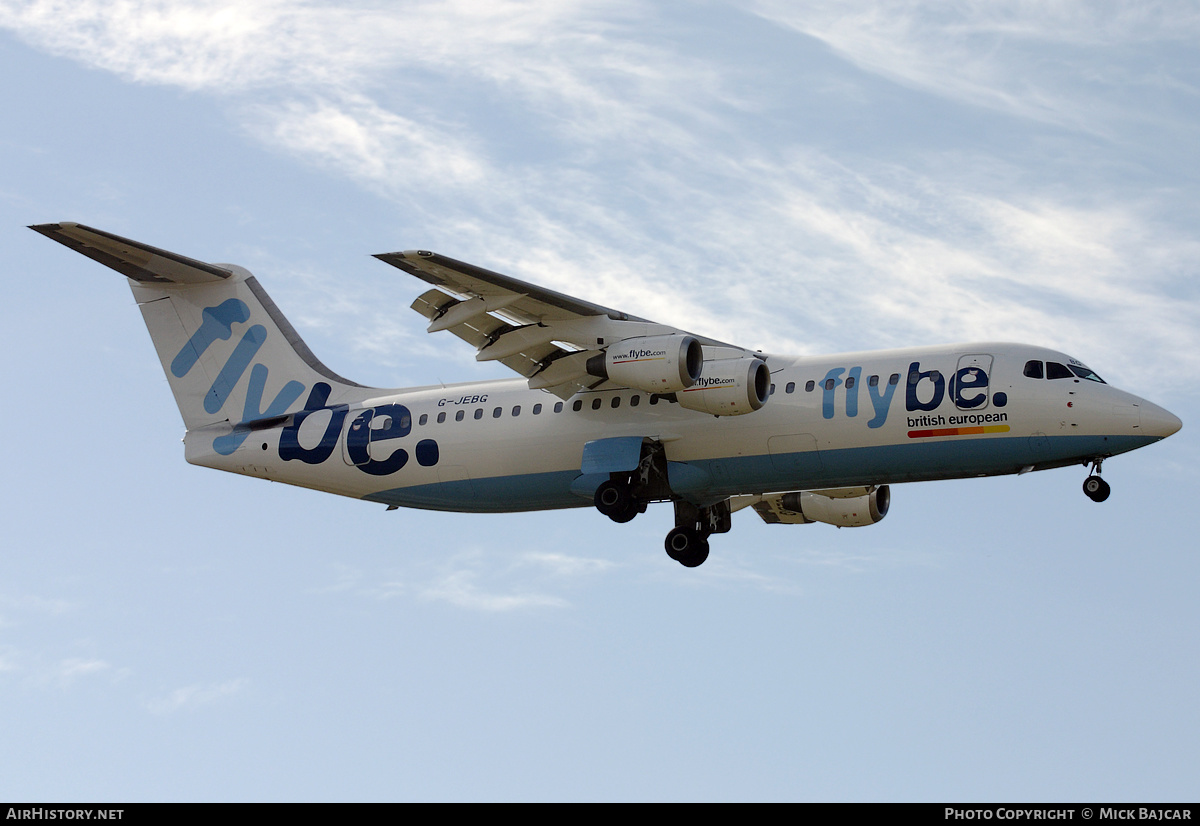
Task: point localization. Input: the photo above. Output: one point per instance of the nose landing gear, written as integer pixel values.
(1094, 487)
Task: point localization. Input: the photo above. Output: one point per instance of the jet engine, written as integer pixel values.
(729, 387)
(843, 509)
(655, 364)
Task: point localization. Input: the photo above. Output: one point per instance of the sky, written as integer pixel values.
(800, 177)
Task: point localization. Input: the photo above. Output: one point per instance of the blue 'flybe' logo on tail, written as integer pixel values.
(217, 325)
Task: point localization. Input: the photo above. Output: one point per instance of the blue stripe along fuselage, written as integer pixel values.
(844, 467)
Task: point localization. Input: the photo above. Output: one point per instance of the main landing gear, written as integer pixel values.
(1094, 487)
(624, 495)
(687, 546)
(687, 543)
(615, 500)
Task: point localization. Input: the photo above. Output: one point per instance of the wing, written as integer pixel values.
(544, 335)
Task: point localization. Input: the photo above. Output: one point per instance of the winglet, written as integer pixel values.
(141, 262)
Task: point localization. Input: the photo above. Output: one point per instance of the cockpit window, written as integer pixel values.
(1054, 370)
(1033, 369)
(1085, 373)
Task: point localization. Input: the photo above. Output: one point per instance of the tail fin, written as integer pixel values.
(229, 354)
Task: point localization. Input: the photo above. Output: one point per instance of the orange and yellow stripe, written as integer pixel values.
(958, 431)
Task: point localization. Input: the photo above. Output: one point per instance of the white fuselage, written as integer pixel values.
(931, 413)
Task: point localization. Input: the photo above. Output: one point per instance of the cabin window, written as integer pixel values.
(558, 407)
(441, 417)
(616, 402)
(635, 400)
(479, 413)
(458, 417)
(1054, 370)
(830, 384)
(849, 382)
(578, 405)
(516, 410)
(810, 386)
(771, 392)
(653, 398)
(894, 378)
(873, 381)
(497, 412)
(790, 387)
(596, 403)
(1033, 369)
(537, 409)
(423, 420)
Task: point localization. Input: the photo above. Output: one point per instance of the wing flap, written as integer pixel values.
(567, 369)
(431, 303)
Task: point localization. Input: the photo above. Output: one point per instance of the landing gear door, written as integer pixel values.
(969, 385)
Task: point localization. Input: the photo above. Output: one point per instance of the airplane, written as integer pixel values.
(609, 410)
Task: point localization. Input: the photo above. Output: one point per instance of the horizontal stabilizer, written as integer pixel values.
(141, 262)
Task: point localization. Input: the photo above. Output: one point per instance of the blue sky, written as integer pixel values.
(797, 177)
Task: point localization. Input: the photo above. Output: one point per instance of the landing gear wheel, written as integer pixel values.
(614, 500)
(1096, 488)
(696, 558)
(621, 517)
(687, 546)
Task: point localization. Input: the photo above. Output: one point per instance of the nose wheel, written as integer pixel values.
(1094, 487)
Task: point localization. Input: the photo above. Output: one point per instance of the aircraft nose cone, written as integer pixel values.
(1158, 422)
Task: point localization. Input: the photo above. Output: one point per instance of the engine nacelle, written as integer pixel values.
(843, 511)
(655, 364)
(729, 387)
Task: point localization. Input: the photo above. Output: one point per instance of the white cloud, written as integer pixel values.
(31, 603)
(460, 588)
(195, 45)
(195, 696)
(8, 659)
(561, 143)
(380, 149)
(494, 581)
(565, 565)
(996, 55)
(346, 579)
(389, 589)
(37, 604)
(72, 669)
